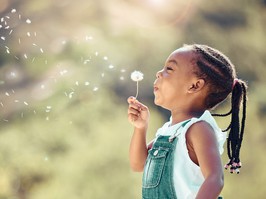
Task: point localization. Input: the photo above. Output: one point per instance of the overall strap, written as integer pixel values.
(172, 137)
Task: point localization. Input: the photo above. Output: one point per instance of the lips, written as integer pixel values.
(155, 88)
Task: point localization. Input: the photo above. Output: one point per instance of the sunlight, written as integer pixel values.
(156, 2)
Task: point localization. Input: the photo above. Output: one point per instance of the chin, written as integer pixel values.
(158, 103)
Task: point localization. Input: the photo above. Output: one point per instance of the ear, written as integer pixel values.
(196, 86)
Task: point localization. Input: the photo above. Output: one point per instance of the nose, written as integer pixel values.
(159, 74)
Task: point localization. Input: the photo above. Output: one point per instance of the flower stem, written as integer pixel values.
(137, 90)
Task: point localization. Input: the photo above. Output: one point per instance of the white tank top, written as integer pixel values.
(187, 175)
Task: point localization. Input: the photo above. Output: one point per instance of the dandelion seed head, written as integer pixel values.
(137, 76)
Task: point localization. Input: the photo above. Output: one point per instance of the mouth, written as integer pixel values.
(155, 88)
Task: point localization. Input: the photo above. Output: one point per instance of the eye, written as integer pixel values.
(168, 68)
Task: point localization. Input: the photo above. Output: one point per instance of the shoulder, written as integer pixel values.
(201, 133)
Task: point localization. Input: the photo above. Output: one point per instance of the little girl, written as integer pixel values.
(183, 161)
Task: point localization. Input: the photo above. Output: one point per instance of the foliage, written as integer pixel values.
(65, 78)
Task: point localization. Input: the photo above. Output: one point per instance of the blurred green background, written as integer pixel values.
(64, 81)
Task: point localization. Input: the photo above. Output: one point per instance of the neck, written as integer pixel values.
(182, 115)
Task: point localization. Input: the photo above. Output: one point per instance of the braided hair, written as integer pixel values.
(220, 76)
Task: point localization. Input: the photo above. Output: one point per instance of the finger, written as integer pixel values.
(134, 106)
(131, 99)
(133, 111)
(132, 118)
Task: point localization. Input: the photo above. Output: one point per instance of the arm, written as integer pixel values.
(138, 116)
(203, 141)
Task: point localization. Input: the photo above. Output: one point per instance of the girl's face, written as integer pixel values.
(173, 81)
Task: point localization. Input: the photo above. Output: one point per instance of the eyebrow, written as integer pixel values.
(173, 61)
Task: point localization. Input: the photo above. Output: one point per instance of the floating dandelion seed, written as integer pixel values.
(48, 109)
(88, 38)
(87, 83)
(95, 89)
(63, 72)
(137, 76)
(71, 95)
(86, 61)
(111, 66)
(28, 21)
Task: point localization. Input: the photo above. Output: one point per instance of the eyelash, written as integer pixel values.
(169, 68)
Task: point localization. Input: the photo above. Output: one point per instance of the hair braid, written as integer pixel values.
(219, 74)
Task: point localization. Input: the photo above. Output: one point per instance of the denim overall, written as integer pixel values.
(157, 181)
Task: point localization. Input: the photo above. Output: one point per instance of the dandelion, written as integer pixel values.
(137, 76)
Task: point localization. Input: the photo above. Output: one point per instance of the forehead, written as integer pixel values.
(182, 55)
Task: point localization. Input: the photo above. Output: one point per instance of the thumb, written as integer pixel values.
(131, 99)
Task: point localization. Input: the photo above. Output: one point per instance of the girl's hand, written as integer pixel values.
(138, 113)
